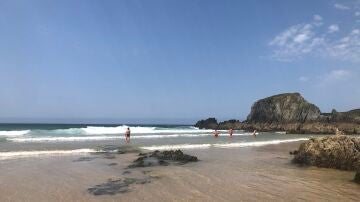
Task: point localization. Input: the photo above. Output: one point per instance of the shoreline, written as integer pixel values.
(232, 174)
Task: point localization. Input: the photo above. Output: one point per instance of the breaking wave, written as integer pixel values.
(98, 138)
(14, 133)
(225, 145)
(102, 130)
(25, 154)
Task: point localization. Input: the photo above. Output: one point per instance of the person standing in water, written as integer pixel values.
(127, 135)
(231, 132)
(216, 133)
(254, 133)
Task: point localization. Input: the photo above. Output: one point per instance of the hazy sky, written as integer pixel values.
(173, 61)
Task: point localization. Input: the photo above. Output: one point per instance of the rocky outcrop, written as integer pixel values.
(230, 124)
(283, 108)
(210, 123)
(352, 116)
(338, 151)
(290, 112)
(162, 158)
(303, 128)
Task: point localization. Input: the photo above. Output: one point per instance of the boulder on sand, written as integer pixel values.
(339, 151)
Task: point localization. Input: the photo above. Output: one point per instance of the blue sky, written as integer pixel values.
(173, 61)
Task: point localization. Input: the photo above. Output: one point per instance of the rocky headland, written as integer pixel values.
(290, 112)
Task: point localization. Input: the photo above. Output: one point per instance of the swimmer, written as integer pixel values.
(127, 135)
(216, 133)
(231, 132)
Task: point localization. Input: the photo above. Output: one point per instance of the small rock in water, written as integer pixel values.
(126, 172)
(112, 187)
(114, 149)
(85, 158)
(109, 156)
(293, 152)
(162, 158)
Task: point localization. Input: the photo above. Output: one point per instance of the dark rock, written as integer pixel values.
(352, 116)
(146, 171)
(85, 158)
(162, 158)
(341, 152)
(112, 187)
(112, 164)
(293, 152)
(115, 149)
(283, 108)
(109, 156)
(357, 177)
(126, 172)
(210, 123)
(230, 124)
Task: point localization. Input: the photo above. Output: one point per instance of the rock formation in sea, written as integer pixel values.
(210, 123)
(283, 108)
(290, 112)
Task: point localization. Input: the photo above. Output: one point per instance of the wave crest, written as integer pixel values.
(24, 154)
(225, 145)
(14, 133)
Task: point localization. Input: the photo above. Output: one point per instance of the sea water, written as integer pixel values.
(29, 140)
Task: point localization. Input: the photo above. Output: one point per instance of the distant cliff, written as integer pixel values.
(290, 112)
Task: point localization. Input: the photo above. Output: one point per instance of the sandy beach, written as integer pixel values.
(238, 174)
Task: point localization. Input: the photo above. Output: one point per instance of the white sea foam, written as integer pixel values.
(102, 130)
(178, 146)
(62, 139)
(14, 133)
(256, 144)
(91, 130)
(102, 137)
(225, 145)
(25, 154)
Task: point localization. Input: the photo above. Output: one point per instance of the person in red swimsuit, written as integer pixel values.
(216, 133)
(231, 132)
(254, 133)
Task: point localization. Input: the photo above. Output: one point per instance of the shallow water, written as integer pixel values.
(25, 140)
(61, 163)
(233, 174)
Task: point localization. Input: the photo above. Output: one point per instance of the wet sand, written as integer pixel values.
(237, 174)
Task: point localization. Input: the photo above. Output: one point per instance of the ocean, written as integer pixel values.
(29, 140)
